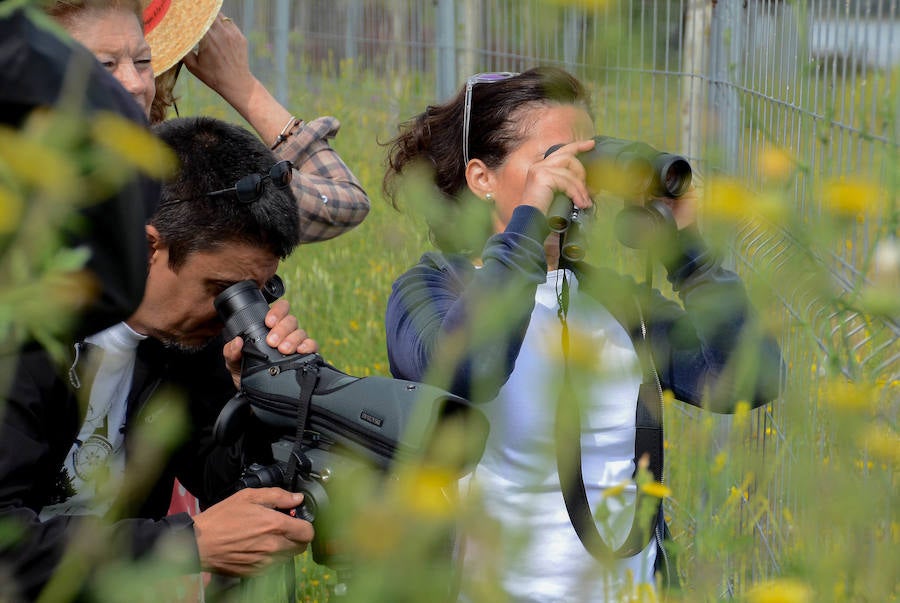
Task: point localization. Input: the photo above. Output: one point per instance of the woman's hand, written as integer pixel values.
(222, 64)
(559, 172)
(684, 208)
(221, 61)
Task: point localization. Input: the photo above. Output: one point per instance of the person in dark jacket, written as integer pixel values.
(33, 67)
(88, 456)
(569, 361)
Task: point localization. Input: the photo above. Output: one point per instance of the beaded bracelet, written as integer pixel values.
(282, 136)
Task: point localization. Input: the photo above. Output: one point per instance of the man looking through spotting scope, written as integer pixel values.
(75, 450)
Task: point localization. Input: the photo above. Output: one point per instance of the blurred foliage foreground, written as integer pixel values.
(793, 503)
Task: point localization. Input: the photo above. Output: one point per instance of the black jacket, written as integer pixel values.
(39, 426)
(33, 68)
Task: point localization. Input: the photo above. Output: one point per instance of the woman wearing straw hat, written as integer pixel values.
(213, 48)
(330, 199)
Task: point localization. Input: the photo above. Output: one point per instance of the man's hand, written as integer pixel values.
(245, 533)
(284, 335)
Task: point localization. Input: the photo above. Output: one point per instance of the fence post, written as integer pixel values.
(351, 33)
(571, 37)
(281, 29)
(696, 26)
(445, 26)
(473, 26)
(248, 24)
(726, 38)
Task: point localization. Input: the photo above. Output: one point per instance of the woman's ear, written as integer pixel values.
(479, 178)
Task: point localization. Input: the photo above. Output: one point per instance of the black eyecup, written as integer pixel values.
(273, 289)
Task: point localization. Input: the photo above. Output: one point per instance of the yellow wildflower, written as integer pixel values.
(727, 199)
(781, 591)
(135, 144)
(775, 164)
(741, 413)
(10, 210)
(719, 463)
(422, 491)
(656, 489)
(36, 164)
(882, 443)
(851, 198)
(616, 490)
(850, 396)
(668, 397)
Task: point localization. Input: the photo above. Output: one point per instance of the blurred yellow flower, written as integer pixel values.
(375, 532)
(781, 591)
(775, 164)
(882, 443)
(41, 166)
(656, 489)
(10, 210)
(422, 491)
(849, 396)
(852, 197)
(616, 490)
(729, 199)
(719, 463)
(135, 144)
(741, 413)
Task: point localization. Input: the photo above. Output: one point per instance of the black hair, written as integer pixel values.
(213, 155)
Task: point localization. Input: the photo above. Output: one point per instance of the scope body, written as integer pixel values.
(326, 427)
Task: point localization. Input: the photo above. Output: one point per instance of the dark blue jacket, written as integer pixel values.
(438, 302)
(458, 327)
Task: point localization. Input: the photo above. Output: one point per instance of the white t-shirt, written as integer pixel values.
(542, 558)
(96, 462)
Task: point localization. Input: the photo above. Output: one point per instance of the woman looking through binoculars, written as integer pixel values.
(496, 316)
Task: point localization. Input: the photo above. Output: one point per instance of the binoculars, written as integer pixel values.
(634, 171)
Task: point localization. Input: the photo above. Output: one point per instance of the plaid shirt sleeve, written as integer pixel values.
(329, 197)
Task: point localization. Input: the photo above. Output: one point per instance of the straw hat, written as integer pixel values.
(173, 28)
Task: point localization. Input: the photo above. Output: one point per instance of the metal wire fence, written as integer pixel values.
(721, 82)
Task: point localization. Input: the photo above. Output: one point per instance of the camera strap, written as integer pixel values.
(648, 440)
(299, 463)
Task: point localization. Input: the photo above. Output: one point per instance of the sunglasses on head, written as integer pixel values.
(478, 78)
(249, 188)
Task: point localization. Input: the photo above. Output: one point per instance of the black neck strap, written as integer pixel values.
(648, 440)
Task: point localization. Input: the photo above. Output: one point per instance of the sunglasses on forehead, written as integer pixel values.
(249, 188)
(478, 78)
